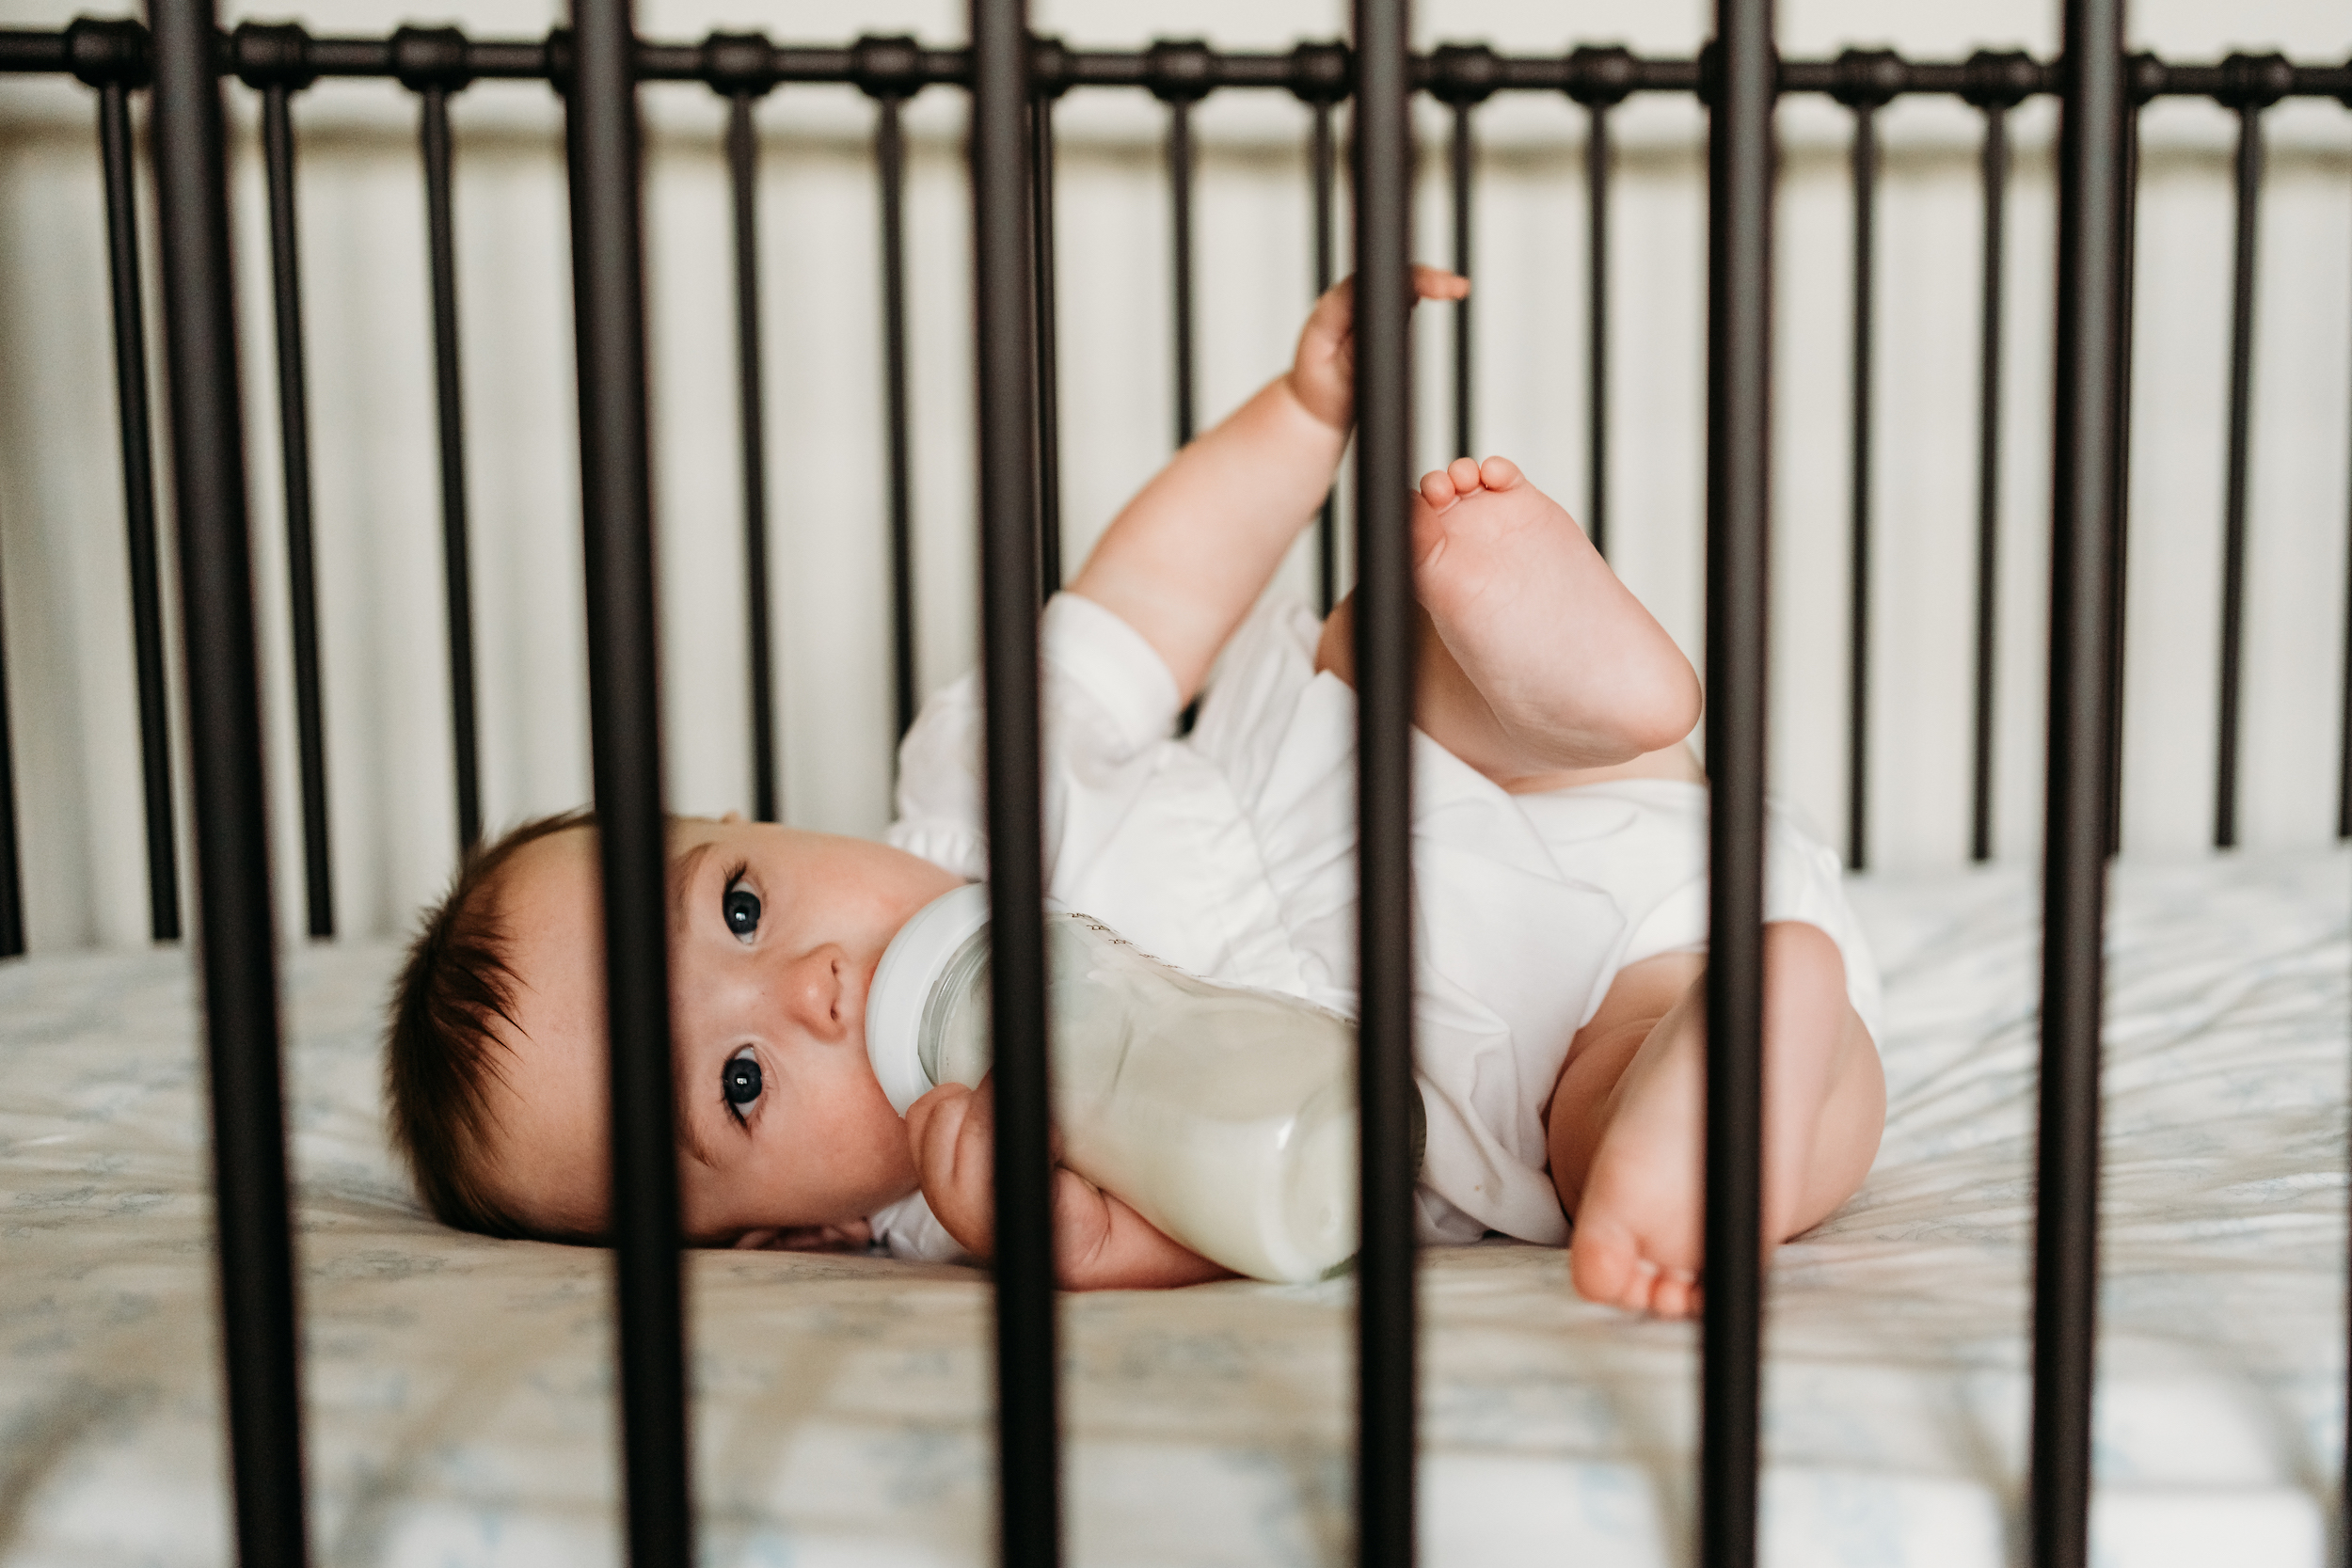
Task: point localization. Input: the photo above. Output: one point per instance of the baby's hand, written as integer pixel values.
(1099, 1243)
(848, 1235)
(952, 1132)
(1323, 374)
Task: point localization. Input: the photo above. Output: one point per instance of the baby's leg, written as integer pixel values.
(1447, 706)
(1626, 1124)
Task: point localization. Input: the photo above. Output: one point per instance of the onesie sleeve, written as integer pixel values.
(1108, 707)
(1103, 664)
(909, 1231)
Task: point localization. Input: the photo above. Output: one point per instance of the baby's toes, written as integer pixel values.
(1606, 1266)
(1436, 488)
(1499, 473)
(1675, 1295)
(1429, 529)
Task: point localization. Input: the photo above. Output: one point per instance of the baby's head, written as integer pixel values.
(495, 1060)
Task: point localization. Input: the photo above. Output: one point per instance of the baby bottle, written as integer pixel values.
(1225, 1116)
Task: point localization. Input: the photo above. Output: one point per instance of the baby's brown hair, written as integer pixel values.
(440, 1050)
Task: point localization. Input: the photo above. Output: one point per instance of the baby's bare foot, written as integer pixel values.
(1576, 672)
(1639, 1225)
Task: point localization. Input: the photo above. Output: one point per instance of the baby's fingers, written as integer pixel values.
(1437, 283)
(952, 1131)
(1335, 312)
(848, 1235)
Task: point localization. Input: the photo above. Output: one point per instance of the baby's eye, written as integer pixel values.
(741, 906)
(740, 1082)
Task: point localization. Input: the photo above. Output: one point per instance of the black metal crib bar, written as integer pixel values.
(1868, 85)
(1386, 1318)
(1585, 73)
(2136, 81)
(624, 696)
(1312, 71)
(265, 57)
(1739, 165)
(750, 406)
(1329, 84)
(1463, 79)
(738, 62)
(1048, 319)
(1608, 78)
(2000, 92)
(1028, 1383)
(2253, 83)
(2084, 433)
(889, 90)
(430, 63)
(238, 956)
(1179, 75)
(139, 470)
(11, 873)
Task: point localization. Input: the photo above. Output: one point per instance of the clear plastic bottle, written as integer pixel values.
(1226, 1117)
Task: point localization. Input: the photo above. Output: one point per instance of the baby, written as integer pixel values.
(1560, 902)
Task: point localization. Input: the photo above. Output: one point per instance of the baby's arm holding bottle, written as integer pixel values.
(1185, 559)
(1100, 1243)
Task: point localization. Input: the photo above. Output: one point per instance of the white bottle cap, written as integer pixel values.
(909, 967)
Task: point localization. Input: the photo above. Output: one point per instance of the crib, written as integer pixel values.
(1015, 81)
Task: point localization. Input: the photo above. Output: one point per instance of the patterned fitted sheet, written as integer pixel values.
(459, 1389)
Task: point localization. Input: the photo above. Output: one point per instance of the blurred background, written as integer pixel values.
(368, 323)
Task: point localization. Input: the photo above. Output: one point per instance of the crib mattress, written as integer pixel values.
(459, 1389)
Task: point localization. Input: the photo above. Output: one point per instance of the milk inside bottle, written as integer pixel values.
(1226, 1117)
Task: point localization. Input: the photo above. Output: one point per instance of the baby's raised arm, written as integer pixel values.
(1184, 562)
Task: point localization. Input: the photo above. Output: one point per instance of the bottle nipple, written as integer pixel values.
(949, 932)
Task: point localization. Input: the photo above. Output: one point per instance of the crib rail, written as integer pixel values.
(278, 61)
(1014, 80)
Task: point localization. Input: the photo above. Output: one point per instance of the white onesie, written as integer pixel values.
(1230, 853)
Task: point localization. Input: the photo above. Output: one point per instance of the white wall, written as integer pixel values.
(61, 556)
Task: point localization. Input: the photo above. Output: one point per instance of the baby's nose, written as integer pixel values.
(813, 990)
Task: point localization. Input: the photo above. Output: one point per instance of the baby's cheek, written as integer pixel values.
(872, 1155)
(703, 1209)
